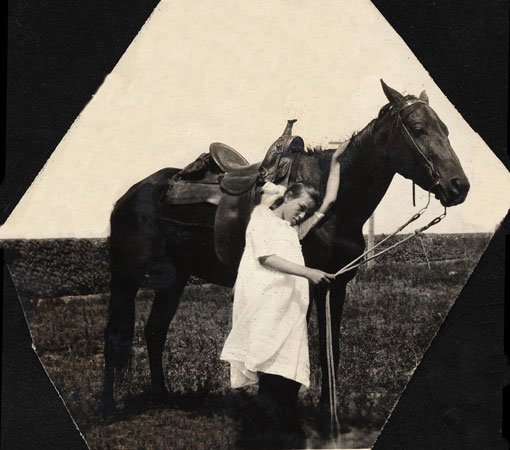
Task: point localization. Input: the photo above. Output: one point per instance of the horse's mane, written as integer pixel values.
(359, 138)
(356, 142)
(322, 155)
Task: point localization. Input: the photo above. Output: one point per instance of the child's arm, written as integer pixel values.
(304, 227)
(333, 180)
(315, 276)
(330, 196)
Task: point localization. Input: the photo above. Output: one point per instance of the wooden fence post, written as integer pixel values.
(371, 227)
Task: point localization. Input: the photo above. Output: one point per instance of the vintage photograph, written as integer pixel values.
(251, 234)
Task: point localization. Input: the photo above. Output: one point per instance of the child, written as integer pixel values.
(268, 342)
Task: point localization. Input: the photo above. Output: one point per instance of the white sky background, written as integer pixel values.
(199, 72)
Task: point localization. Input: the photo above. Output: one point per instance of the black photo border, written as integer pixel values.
(58, 54)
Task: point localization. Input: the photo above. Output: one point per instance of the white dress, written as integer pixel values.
(269, 330)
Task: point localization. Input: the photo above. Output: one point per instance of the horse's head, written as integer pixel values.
(420, 149)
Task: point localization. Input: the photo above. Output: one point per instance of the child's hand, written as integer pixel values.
(338, 152)
(318, 277)
(271, 192)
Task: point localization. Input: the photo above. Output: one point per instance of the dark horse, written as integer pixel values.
(173, 241)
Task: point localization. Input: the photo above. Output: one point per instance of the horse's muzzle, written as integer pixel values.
(451, 193)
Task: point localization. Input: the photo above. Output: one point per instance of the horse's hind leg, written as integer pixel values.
(118, 335)
(169, 283)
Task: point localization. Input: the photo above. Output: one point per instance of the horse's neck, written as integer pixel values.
(366, 175)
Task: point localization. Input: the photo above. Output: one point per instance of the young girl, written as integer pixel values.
(268, 343)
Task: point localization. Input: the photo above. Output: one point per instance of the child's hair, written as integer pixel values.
(295, 190)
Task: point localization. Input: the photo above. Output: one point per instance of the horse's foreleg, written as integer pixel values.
(168, 288)
(337, 298)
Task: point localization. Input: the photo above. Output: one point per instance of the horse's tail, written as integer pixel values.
(129, 251)
(133, 233)
(119, 331)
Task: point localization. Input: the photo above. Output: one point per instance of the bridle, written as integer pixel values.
(434, 173)
(365, 257)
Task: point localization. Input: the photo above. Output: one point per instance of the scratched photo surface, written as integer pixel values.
(198, 74)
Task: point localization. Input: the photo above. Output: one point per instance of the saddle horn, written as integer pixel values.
(288, 127)
(284, 146)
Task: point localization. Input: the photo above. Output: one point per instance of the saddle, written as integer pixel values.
(226, 157)
(274, 167)
(241, 192)
(224, 178)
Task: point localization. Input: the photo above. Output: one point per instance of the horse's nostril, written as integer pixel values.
(459, 186)
(456, 185)
(458, 190)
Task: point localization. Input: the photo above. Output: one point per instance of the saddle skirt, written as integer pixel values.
(186, 193)
(242, 190)
(224, 178)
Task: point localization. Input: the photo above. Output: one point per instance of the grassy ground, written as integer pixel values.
(58, 267)
(392, 312)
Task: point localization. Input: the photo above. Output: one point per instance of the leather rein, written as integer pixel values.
(435, 175)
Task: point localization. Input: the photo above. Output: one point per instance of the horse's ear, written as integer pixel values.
(394, 97)
(424, 97)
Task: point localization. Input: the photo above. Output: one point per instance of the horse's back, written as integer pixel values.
(154, 185)
(146, 228)
(133, 219)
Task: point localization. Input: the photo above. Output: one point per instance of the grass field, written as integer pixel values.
(391, 314)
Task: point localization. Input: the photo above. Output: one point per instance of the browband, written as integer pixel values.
(408, 103)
